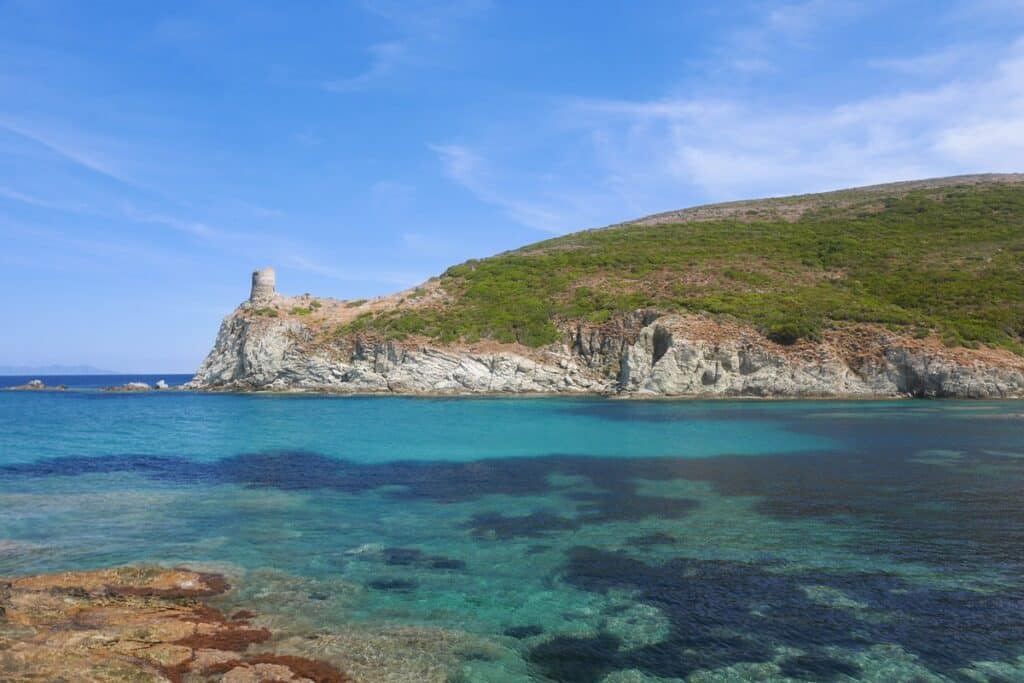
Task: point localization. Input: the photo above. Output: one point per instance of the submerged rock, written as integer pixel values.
(136, 624)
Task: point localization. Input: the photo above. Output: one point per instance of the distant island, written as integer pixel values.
(906, 289)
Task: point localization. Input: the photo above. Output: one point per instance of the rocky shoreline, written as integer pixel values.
(147, 624)
(643, 355)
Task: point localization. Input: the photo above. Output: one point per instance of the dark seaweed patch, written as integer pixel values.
(627, 506)
(578, 660)
(648, 540)
(722, 613)
(501, 527)
(524, 631)
(975, 519)
(403, 557)
(817, 668)
(393, 585)
(446, 563)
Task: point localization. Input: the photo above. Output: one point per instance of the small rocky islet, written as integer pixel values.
(37, 385)
(146, 624)
(127, 387)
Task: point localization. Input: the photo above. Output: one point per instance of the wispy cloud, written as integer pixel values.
(32, 200)
(347, 274)
(391, 194)
(418, 26)
(70, 146)
(752, 47)
(731, 148)
(426, 19)
(930, 64)
(630, 157)
(195, 228)
(470, 170)
(100, 252)
(385, 58)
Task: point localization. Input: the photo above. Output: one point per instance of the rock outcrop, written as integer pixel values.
(146, 624)
(31, 385)
(644, 354)
(130, 387)
(37, 385)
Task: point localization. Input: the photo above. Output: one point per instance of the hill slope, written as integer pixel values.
(944, 255)
(907, 288)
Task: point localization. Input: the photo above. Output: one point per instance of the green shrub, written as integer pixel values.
(948, 260)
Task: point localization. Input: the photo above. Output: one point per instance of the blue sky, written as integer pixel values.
(152, 154)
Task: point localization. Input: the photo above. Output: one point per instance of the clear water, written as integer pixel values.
(553, 539)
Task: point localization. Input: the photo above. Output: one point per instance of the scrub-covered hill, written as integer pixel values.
(909, 288)
(944, 256)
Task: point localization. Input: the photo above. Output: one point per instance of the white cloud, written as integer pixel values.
(732, 149)
(632, 157)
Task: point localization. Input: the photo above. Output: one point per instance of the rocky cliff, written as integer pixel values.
(270, 348)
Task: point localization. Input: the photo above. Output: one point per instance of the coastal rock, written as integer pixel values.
(136, 624)
(161, 385)
(277, 355)
(130, 387)
(32, 385)
(644, 354)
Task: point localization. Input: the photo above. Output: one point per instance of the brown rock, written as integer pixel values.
(144, 624)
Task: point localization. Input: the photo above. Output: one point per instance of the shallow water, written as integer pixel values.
(553, 539)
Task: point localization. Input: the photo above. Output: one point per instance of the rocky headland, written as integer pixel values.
(645, 354)
(761, 320)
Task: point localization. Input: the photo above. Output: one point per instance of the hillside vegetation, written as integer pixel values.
(938, 256)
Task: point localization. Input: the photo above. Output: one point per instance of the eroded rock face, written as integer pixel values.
(278, 354)
(136, 624)
(639, 355)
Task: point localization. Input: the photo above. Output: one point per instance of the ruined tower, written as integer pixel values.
(263, 283)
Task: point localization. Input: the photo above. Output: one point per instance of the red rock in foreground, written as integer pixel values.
(144, 624)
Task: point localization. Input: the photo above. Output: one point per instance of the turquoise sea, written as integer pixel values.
(569, 540)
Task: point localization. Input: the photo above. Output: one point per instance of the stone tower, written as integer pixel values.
(263, 283)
